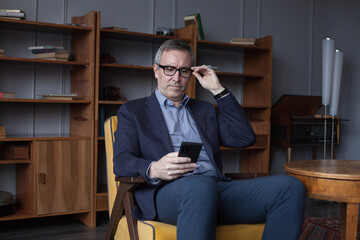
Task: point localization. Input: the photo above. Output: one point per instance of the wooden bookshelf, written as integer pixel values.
(64, 159)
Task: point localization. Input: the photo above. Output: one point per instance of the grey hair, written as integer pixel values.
(174, 44)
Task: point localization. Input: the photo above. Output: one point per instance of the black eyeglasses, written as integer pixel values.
(170, 71)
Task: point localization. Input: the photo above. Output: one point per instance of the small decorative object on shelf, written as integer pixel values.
(106, 58)
(7, 206)
(113, 94)
(2, 52)
(164, 31)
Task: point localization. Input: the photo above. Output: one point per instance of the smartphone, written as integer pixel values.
(190, 150)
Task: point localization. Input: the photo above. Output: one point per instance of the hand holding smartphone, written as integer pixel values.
(190, 150)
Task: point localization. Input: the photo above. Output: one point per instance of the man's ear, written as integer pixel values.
(156, 70)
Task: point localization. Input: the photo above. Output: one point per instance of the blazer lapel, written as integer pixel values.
(152, 109)
(201, 126)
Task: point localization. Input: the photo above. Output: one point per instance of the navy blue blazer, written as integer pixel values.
(142, 137)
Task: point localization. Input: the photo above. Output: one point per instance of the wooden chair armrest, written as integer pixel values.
(130, 179)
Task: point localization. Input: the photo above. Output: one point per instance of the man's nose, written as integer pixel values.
(176, 76)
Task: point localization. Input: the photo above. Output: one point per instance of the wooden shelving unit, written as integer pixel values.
(56, 179)
(255, 77)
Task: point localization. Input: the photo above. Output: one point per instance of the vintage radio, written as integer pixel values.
(294, 122)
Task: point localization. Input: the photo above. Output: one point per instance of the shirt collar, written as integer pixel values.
(163, 101)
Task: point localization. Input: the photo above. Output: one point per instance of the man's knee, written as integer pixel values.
(201, 189)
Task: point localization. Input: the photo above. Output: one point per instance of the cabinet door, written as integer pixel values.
(63, 171)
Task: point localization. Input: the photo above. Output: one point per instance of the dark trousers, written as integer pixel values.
(196, 204)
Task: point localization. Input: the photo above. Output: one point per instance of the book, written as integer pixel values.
(51, 55)
(54, 59)
(7, 95)
(12, 18)
(44, 47)
(115, 28)
(2, 129)
(243, 41)
(56, 96)
(35, 51)
(12, 14)
(195, 19)
(11, 10)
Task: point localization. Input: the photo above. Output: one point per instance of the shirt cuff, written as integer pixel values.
(152, 181)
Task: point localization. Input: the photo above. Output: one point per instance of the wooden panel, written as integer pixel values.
(63, 176)
(255, 161)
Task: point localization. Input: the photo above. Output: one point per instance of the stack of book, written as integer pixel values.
(195, 19)
(2, 132)
(60, 96)
(49, 53)
(7, 95)
(16, 14)
(243, 41)
(2, 52)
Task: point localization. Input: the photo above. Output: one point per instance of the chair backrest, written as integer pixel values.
(109, 130)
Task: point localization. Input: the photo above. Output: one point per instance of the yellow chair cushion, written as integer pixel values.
(151, 230)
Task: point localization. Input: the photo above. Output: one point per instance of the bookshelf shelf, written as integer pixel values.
(18, 100)
(15, 161)
(25, 25)
(31, 60)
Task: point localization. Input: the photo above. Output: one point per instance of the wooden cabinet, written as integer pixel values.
(247, 71)
(56, 177)
(63, 176)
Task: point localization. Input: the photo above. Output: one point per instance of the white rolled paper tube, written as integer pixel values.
(335, 93)
(328, 50)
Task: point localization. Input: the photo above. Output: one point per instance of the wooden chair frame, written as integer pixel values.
(124, 201)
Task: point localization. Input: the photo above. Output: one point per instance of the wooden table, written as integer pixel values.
(332, 180)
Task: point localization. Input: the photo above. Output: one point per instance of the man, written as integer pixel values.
(197, 197)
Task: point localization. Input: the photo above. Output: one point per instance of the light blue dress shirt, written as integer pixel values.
(182, 127)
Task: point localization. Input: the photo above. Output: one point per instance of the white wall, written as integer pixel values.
(297, 26)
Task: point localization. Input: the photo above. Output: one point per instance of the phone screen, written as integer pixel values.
(190, 150)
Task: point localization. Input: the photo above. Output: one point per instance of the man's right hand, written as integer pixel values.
(170, 167)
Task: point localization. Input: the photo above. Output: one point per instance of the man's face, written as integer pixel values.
(173, 87)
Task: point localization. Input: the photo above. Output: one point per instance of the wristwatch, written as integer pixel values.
(221, 94)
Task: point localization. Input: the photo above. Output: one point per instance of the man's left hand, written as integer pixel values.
(208, 79)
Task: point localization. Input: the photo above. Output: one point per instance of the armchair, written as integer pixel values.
(120, 199)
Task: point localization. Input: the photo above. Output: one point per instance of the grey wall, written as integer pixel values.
(297, 26)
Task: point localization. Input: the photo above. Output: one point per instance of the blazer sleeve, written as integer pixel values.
(127, 158)
(234, 125)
